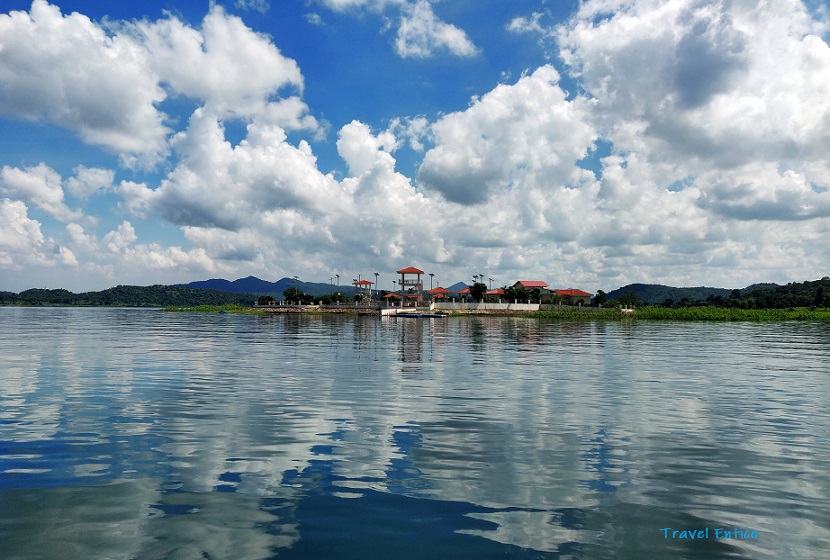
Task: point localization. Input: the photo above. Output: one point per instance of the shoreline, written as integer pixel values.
(647, 313)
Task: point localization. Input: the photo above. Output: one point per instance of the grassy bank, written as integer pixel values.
(230, 308)
(710, 313)
(707, 313)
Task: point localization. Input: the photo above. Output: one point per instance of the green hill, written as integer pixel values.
(128, 296)
(814, 293)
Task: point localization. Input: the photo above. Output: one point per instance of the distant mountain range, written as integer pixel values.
(254, 285)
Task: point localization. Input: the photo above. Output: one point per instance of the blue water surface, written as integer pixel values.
(134, 433)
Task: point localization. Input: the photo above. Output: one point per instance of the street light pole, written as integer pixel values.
(430, 280)
(377, 287)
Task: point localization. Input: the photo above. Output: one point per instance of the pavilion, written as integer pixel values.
(415, 285)
(363, 287)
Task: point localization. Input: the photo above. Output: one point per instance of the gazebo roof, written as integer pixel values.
(465, 291)
(438, 290)
(410, 270)
(392, 295)
(362, 283)
(496, 292)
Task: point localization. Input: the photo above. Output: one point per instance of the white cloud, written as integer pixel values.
(40, 186)
(217, 185)
(225, 64)
(522, 134)
(260, 6)
(107, 93)
(106, 81)
(88, 181)
(421, 34)
(371, 5)
(706, 92)
(314, 18)
(22, 243)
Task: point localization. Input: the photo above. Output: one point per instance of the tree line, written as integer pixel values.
(810, 294)
(127, 296)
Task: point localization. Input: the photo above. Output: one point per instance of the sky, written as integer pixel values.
(588, 144)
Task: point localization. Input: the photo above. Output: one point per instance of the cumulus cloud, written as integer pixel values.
(372, 5)
(120, 72)
(88, 181)
(706, 91)
(22, 242)
(224, 64)
(218, 185)
(260, 6)
(108, 94)
(526, 133)
(421, 34)
(40, 186)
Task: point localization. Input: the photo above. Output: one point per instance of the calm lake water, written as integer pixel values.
(142, 434)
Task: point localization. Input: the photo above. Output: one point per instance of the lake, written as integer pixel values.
(129, 433)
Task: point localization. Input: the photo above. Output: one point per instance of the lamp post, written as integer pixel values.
(331, 282)
(491, 283)
(430, 280)
(377, 288)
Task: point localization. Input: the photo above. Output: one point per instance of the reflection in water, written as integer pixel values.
(141, 434)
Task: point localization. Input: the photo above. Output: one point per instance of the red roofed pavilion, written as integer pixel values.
(491, 295)
(438, 293)
(363, 287)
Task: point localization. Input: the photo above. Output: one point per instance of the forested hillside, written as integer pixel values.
(128, 296)
(758, 296)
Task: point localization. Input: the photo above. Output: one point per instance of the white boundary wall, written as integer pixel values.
(457, 306)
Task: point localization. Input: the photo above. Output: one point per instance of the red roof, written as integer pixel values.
(532, 284)
(438, 290)
(573, 293)
(464, 291)
(391, 295)
(362, 283)
(409, 270)
(496, 292)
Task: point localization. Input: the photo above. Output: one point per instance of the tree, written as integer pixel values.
(294, 295)
(478, 290)
(600, 298)
(628, 299)
(265, 300)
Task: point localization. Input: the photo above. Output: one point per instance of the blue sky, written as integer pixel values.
(586, 144)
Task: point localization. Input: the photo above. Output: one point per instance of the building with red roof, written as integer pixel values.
(531, 284)
(494, 295)
(573, 296)
(438, 293)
